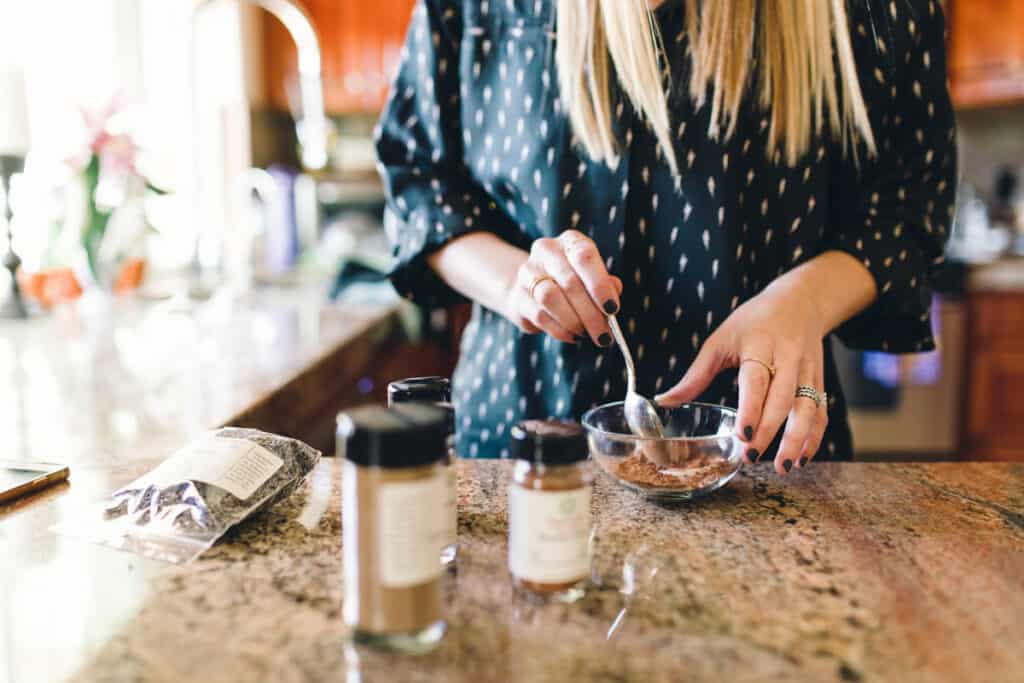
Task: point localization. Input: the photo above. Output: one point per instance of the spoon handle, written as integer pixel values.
(613, 323)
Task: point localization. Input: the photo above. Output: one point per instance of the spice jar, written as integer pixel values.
(393, 491)
(436, 391)
(549, 509)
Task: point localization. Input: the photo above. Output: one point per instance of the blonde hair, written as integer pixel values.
(801, 45)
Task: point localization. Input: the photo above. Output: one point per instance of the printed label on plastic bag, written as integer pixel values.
(236, 465)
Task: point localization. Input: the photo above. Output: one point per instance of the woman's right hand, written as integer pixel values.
(564, 289)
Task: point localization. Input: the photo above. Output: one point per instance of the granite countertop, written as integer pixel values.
(96, 388)
(845, 571)
(111, 391)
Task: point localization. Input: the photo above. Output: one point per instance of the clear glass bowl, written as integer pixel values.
(700, 452)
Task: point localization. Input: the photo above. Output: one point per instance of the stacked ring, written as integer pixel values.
(806, 391)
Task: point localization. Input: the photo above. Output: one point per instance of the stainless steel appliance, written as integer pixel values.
(909, 406)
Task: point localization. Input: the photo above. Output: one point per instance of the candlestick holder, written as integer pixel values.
(14, 305)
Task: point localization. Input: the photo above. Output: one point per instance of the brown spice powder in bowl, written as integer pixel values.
(699, 454)
(638, 469)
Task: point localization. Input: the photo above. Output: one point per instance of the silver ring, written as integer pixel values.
(820, 398)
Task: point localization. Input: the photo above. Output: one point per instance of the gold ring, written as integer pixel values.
(766, 366)
(536, 281)
(806, 391)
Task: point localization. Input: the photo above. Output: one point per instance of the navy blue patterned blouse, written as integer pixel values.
(474, 138)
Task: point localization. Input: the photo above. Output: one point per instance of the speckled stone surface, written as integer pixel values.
(843, 572)
(111, 393)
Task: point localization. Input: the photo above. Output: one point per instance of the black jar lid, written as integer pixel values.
(420, 390)
(549, 442)
(430, 390)
(407, 435)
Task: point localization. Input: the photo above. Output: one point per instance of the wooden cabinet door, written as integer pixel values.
(359, 42)
(986, 51)
(995, 418)
(994, 410)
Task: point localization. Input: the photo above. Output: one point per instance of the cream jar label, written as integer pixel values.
(549, 533)
(350, 539)
(411, 528)
(451, 505)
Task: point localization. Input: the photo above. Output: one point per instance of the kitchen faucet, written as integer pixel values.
(311, 124)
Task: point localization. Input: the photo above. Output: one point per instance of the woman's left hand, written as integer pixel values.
(780, 328)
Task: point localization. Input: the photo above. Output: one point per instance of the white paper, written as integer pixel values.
(412, 527)
(238, 466)
(549, 534)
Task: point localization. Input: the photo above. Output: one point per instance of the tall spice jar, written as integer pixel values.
(393, 492)
(436, 391)
(549, 509)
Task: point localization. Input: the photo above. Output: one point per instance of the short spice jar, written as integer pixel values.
(549, 509)
(436, 391)
(393, 492)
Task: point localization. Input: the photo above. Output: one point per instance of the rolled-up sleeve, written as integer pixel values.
(892, 212)
(432, 197)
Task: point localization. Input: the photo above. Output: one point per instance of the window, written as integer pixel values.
(85, 54)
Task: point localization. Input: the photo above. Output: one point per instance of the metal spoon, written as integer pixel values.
(641, 416)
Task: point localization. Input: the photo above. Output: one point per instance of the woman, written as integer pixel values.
(737, 180)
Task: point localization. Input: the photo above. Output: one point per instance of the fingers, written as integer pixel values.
(586, 313)
(778, 402)
(801, 421)
(753, 380)
(543, 322)
(547, 309)
(545, 291)
(820, 423)
(528, 327)
(582, 254)
(697, 378)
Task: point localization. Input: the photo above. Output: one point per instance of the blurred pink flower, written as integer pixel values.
(117, 154)
(97, 121)
(117, 151)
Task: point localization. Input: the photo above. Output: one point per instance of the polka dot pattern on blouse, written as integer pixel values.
(474, 138)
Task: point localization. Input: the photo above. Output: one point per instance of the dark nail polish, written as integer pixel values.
(753, 455)
(610, 307)
(787, 465)
(748, 432)
(803, 461)
(604, 340)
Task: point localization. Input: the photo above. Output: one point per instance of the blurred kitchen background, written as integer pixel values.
(172, 150)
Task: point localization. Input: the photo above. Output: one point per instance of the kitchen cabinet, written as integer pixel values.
(360, 43)
(986, 52)
(994, 425)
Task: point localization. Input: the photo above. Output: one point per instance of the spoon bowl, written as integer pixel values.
(640, 413)
(642, 418)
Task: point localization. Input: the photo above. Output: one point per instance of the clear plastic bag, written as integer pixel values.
(180, 508)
